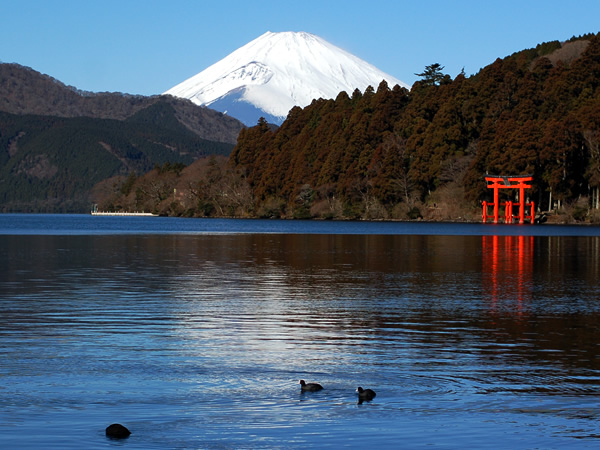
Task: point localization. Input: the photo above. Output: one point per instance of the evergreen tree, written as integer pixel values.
(432, 75)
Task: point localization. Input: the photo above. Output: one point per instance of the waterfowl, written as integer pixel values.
(310, 387)
(365, 394)
(117, 431)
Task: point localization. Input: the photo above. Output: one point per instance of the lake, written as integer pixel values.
(194, 333)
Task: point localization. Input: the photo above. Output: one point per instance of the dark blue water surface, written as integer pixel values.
(194, 333)
(77, 224)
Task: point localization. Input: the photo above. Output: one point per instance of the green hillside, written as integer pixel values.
(51, 163)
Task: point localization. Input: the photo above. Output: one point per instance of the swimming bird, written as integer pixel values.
(117, 431)
(365, 394)
(310, 387)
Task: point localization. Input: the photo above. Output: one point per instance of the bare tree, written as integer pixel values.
(592, 142)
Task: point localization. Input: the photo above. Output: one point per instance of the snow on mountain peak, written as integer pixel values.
(277, 71)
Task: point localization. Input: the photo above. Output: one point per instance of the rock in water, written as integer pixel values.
(117, 431)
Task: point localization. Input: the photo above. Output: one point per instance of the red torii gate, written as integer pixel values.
(496, 182)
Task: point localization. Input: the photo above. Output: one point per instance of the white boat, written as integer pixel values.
(95, 212)
(121, 213)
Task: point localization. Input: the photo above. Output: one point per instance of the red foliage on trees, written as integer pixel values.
(535, 112)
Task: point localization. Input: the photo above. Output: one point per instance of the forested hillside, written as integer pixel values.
(56, 142)
(535, 112)
(393, 153)
(50, 164)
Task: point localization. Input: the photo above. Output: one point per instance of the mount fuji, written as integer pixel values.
(277, 71)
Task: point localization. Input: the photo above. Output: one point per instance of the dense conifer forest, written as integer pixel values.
(51, 163)
(391, 153)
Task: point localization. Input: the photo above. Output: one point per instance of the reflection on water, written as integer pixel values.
(508, 270)
(198, 341)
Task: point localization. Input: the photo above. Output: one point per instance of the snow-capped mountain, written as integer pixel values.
(277, 71)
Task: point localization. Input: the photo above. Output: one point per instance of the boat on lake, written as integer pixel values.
(95, 212)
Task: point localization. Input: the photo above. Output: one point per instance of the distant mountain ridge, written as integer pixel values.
(275, 72)
(26, 91)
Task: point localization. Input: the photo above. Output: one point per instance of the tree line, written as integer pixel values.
(395, 153)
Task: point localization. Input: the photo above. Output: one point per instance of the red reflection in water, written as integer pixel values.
(507, 270)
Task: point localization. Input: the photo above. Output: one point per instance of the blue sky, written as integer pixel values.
(148, 46)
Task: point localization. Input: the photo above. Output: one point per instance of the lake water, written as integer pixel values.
(194, 333)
